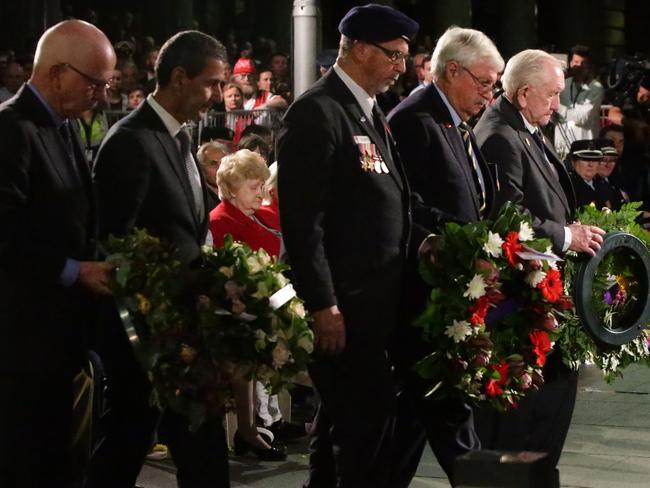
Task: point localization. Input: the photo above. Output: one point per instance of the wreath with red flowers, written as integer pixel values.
(492, 313)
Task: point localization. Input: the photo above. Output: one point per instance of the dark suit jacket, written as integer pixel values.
(47, 214)
(436, 161)
(345, 228)
(141, 182)
(525, 176)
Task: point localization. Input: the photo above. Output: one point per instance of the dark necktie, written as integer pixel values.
(378, 122)
(465, 131)
(191, 171)
(66, 135)
(538, 137)
(64, 130)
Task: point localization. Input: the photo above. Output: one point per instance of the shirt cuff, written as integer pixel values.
(70, 273)
(567, 239)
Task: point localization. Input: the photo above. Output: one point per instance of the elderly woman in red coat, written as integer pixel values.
(240, 179)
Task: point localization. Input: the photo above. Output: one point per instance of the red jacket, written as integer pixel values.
(228, 219)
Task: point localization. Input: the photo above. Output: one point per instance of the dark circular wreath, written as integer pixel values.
(586, 271)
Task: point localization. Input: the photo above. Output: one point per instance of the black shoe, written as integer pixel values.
(287, 431)
(273, 453)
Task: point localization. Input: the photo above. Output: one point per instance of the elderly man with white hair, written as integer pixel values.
(531, 176)
(445, 167)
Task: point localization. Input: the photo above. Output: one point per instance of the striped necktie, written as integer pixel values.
(476, 172)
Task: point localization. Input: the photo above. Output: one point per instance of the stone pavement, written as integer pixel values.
(608, 445)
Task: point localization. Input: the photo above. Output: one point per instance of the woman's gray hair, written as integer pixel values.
(466, 47)
(529, 67)
(219, 146)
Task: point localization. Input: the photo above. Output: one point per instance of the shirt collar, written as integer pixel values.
(452, 111)
(363, 99)
(56, 118)
(531, 128)
(172, 125)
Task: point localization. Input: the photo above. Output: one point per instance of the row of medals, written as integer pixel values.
(373, 162)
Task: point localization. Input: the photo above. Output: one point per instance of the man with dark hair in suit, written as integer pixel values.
(48, 271)
(532, 177)
(445, 167)
(147, 177)
(344, 208)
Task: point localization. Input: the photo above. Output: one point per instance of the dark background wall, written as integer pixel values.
(611, 27)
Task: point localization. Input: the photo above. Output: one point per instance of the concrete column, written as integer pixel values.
(305, 43)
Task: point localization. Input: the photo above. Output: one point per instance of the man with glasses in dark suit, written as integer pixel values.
(48, 267)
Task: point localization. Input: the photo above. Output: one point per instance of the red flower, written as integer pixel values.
(564, 303)
(511, 246)
(495, 296)
(479, 309)
(551, 286)
(493, 389)
(541, 345)
(502, 369)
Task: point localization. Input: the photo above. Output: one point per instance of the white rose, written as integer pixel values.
(296, 307)
(306, 343)
(280, 354)
(253, 264)
(263, 257)
(227, 271)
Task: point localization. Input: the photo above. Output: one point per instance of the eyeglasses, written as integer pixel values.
(94, 82)
(483, 85)
(394, 56)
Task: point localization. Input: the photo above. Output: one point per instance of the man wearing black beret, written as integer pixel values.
(346, 220)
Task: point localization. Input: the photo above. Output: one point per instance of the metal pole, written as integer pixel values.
(305, 44)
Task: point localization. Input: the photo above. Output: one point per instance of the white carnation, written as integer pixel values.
(534, 278)
(525, 232)
(458, 331)
(476, 287)
(493, 245)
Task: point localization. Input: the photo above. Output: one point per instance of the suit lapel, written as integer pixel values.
(351, 106)
(536, 154)
(174, 160)
(439, 111)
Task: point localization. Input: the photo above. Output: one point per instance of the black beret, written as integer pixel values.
(606, 146)
(377, 23)
(586, 149)
(326, 58)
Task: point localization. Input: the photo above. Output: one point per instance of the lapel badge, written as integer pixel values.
(527, 141)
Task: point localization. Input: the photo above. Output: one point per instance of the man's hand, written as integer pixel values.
(329, 329)
(95, 275)
(586, 238)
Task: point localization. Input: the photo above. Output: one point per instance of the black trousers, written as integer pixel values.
(130, 424)
(542, 420)
(44, 428)
(351, 445)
